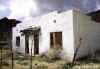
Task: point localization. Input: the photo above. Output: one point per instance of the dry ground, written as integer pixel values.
(38, 62)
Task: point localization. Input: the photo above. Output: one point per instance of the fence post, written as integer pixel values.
(31, 59)
(1, 56)
(31, 55)
(12, 63)
(36, 66)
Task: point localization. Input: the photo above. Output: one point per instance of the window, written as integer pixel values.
(17, 41)
(56, 40)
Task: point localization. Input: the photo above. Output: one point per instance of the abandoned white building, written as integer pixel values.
(58, 30)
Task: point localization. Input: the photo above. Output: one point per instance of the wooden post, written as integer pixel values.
(11, 49)
(54, 40)
(26, 43)
(31, 58)
(12, 60)
(1, 56)
(31, 55)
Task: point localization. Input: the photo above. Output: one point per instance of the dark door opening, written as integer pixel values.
(36, 42)
(18, 41)
(26, 44)
(56, 40)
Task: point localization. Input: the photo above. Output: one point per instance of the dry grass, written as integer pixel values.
(45, 62)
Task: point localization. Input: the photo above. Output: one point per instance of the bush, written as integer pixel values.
(51, 55)
(20, 56)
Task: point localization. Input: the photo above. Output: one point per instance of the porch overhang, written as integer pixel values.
(30, 30)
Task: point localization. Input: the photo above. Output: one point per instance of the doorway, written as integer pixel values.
(27, 44)
(56, 40)
(36, 42)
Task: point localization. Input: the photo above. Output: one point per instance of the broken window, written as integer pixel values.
(56, 40)
(18, 41)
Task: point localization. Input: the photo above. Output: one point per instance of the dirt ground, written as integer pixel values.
(40, 62)
(23, 62)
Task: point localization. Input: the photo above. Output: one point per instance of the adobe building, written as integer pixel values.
(66, 31)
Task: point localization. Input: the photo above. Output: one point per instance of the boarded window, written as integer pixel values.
(56, 40)
(18, 41)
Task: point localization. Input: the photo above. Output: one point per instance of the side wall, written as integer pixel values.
(88, 31)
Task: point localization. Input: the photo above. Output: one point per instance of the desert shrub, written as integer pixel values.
(51, 55)
(20, 56)
(42, 67)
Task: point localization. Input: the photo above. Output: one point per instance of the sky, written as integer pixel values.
(20, 9)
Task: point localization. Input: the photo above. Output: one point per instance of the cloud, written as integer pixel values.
(4, 2)
(4, 11)
(59, 5)
(89, 5)
(4, 8)
(20, 9)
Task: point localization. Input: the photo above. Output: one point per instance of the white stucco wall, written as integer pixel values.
(64, 23)
(88, 30)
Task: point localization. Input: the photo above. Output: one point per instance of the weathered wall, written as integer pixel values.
(64, 23)
(88, 30)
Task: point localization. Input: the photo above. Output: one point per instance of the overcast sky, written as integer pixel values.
(20, 9)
